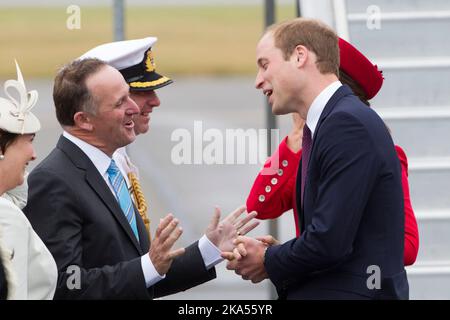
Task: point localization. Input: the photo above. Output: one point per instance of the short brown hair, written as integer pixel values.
(314, 35)
(70, 93)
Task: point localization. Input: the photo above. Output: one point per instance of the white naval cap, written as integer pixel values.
(134, 59)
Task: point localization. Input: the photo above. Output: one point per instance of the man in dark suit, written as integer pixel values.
(348, 184)
(80, 206)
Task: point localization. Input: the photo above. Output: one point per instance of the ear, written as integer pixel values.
(301, 55)
(82, 120)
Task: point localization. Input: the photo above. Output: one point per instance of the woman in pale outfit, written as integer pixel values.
(29, 270)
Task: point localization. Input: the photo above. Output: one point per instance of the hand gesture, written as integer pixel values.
(166, 235)
(222, 233)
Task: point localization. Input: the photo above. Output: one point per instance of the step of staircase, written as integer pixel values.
(413, 86)
(421, 138)
(434, 236)
(429, 281)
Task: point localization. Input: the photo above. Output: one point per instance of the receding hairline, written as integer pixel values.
(103, 83)
(96, 73)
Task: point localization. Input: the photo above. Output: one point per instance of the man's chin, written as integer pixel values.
(280, 110)
(141, 130)
(130, 137)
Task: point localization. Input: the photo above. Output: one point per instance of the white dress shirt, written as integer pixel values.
(319, 103)
(209, 252)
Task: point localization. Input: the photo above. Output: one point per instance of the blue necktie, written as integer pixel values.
(123, 196)
(306, 152)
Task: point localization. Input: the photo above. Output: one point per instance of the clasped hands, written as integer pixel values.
(221, 233)
(247, 257)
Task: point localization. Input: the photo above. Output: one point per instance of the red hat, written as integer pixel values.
(360, 69)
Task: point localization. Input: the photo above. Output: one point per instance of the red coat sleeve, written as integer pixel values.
(271, 199)
(272, 191)
(411, 230)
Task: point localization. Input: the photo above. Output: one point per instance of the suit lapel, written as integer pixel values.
(340, 93)
(144, 237)
(99, 185)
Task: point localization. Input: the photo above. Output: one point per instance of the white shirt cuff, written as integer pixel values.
(150, 274)
(210, 253)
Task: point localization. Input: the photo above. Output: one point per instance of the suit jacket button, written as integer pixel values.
(274, 181)
(268, 188)
(284, 163)
(280, 172)
(261, 198)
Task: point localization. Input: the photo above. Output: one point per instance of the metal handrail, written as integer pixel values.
(340, 17)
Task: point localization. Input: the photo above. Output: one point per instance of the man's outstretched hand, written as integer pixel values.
(222, 233)
(161, 253)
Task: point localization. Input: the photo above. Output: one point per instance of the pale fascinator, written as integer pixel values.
(15, 115)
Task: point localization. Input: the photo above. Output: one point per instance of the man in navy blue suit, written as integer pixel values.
(349, 191)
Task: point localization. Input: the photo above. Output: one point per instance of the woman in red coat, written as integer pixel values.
(273, 194)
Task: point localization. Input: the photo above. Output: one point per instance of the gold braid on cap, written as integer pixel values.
(150, 64)
(138, 84)
(140, 200)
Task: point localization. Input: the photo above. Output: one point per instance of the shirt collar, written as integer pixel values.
(100, 159)
(319, 103)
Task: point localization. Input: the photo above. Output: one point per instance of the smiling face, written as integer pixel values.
(276, 77)
(16, 157)
(146, 101)
(112, 123)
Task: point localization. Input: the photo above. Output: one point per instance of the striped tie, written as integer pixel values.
(120, 188)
